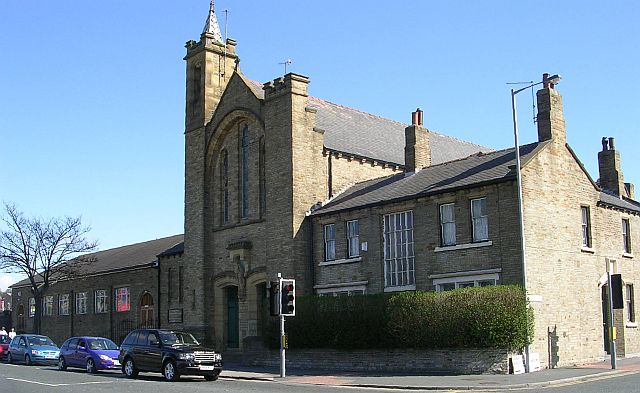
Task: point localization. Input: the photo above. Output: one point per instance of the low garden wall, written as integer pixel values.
(422, 361)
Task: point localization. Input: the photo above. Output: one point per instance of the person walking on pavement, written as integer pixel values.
(12, 333)
(3, 332)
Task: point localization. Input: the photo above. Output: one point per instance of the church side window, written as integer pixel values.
(245, 172)
(122, 299)
(47, 303)
(101, 301)
(263, 185)
(225, 187)
(63, 304)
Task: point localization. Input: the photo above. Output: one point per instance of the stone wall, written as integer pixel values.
(501, 252)
(111, 324)
(451, 362)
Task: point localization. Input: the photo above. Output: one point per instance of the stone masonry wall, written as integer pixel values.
(501, 253)
(561, 274)
(109, 324)
(454, 361)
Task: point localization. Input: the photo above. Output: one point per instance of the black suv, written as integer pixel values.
(172, 353)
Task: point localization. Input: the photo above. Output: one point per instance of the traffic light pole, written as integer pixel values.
(283, 371)
(282, 349)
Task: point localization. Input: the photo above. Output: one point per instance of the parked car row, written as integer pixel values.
(155, 350)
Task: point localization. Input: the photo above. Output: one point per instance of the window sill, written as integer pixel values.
(400, 289)
(627, 255)
(588, 250)
(631, 324)
(463, 246)
(340, 261)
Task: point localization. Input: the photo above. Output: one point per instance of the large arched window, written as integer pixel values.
(225, 186)
(245, 172)
(263, 188)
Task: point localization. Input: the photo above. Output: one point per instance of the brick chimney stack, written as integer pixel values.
(611, 178)
(550, 116)
(417, 151)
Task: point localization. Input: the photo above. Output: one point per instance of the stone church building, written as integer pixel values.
(345, 202)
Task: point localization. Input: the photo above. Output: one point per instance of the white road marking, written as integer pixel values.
(55, 385)
(35, 382)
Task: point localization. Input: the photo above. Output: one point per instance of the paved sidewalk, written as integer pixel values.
(437, 382)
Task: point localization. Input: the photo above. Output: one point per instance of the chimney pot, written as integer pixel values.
(414, 118)
(611, 146)
(605, 143)
(419, 116)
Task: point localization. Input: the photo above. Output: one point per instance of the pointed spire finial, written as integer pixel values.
(211, 25)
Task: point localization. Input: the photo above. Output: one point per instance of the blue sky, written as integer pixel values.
(92, 92)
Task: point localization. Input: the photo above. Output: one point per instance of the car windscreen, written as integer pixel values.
(4, 339)
(40, 340)
(102, 344)
(173, 338)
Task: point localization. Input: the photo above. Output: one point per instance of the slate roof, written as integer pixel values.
(125, 257)
(615, 201)
(475, 170)
(177, 249)
(351, 131)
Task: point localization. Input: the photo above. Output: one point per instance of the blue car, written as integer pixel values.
(33, 349)
(91, 353)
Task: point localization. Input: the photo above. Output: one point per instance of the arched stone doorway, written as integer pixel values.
(233, 317)
(147, 311)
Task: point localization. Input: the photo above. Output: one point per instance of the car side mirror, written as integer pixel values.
(82, 348)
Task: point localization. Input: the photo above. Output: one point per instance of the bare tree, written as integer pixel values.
(42, 249)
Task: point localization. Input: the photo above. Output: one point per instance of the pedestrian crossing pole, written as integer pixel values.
(611, 332)
(283, 371)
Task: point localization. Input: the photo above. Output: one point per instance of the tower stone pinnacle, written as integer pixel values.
(211, 25)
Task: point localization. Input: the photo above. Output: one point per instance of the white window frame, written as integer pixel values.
(399, 256)
(353, 238)
(447, 224)
(630, 306)
(100, 302)
(329, 236)
(32, 307)
(81, 302)
(63, 304)
(463, 279)
(47, 305)
(350, 288)
(477, 221)
(122, 297)
(626, 235)
(585, 214)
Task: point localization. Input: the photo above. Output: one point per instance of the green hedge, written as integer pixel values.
(489, 317)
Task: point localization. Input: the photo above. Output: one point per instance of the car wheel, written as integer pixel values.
(9, 358)
(169, 371)
(129, 368)
(91, 366)
(62, 364)
(27, 360)
(211, 377)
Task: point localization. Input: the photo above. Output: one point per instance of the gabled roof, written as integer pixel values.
(475, 170)
(123, 258)
(609, 199)
(351, 131)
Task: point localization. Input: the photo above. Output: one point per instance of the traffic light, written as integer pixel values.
(287, 297)
(274, 298)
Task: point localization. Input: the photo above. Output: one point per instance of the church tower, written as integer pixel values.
(210, 64)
